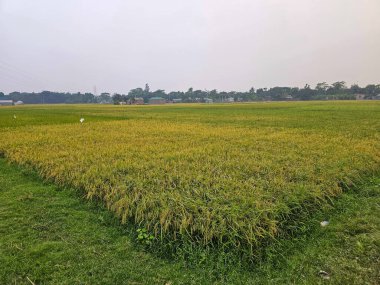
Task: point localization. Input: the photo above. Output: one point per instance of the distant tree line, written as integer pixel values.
(322, 91)
(48, 97)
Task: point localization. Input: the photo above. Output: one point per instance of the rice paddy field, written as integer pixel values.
(233, 176)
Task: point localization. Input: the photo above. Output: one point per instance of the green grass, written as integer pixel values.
(227, 176)
(317, 115)
(53, 236)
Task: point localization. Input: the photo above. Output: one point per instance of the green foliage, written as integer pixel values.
(144, 237)
(48, 97)
(322, 91)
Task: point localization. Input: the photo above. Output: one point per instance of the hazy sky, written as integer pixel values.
(116, 45)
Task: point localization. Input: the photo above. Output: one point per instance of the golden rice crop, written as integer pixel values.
(221, 184)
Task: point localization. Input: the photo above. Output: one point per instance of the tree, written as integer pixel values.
(306, 93)
(355, 89)
(117, 98)
(104, 98)
(370, 90)
(159, 93)
(294, 91)
(322, 87)
(213, 94)
(339, 86)
(146, 89)
(260, 94)
(137, 92)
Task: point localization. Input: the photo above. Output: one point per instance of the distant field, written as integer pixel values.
(229, 175)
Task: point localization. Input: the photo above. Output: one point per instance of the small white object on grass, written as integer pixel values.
(81, 120)
(324, 274)
(324, 223)
(14, 117)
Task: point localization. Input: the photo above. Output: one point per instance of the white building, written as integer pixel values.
(6, 102)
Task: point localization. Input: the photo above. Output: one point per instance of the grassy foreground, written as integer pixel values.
(50, 235)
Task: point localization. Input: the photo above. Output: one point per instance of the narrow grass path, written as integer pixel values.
(49, 235)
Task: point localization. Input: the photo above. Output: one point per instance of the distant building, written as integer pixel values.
(138, 101)
(230, 100)
(19, 103)
(208, 100)
(157, 100)
(177, 100)
(122, 103)
(360, 96)
(288, 98)
(377, 97)
(6, 102)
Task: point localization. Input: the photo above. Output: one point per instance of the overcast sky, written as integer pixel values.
(116, 45)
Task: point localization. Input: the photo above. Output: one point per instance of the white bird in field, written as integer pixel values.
(81, 120)
(324, 223)
(14, 117)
